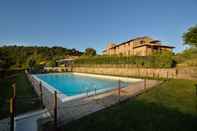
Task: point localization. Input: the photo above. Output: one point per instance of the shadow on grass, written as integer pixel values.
(135, 116)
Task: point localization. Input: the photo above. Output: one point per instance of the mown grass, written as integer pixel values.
(170, 106)
(24, 93)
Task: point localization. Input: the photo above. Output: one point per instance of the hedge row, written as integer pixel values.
(160, 61)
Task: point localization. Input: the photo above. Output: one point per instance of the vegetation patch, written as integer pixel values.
(157, 60)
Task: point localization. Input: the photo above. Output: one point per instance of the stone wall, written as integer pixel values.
(132, 72)
(176, 73)
(187, 73)
(127, 70)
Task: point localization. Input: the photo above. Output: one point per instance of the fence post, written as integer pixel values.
(41, 95)
(95, 91)
(87, 92)
(119, 90)
(196, 91)
(145, 83)
(55, 110)
(167, 75)
(196, 98)
(11, 114)
(12, 107)
(153, 75)
(176, 72)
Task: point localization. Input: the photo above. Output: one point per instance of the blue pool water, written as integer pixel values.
(72, 84)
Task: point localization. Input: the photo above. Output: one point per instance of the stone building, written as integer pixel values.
(140, 46)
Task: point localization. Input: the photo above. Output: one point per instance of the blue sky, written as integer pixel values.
(93, 23)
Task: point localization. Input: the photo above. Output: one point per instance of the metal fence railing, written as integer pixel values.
(63, 109)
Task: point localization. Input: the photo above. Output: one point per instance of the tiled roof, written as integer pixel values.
(139, 38)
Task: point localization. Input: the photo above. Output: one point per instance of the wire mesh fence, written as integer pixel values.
(64, 109)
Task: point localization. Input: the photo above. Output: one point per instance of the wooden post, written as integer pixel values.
(196, 98)
(14, 90)
(41, 95)
(196, 91)
(176, 72)
(153, 75)
(55, 110)
(119, 90)
(167, 74)
(145, 83)
(12, 107)
(11, 114)
(138, 71)
(87, 92)
(95, 91)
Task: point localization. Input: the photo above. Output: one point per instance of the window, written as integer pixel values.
(141, 42)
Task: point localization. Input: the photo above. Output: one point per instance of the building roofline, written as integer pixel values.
(139, 45)
(122, 43)
(166, 46)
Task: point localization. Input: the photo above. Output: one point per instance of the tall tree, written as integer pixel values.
(90, 52)
(5, 62)
(190, 37)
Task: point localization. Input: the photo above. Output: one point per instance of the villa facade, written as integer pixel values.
(140, 46)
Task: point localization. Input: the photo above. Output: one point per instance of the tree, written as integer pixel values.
(5, 61)
(31, 62)
(12, 57)
(163, 59)
(51, 63)
(90, 52)
(190, 37)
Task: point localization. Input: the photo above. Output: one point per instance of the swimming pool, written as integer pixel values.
(74, 84)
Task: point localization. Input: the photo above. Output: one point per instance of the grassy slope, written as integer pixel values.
(170, 106)
(23, 89)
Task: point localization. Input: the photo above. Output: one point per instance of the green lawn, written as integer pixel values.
(170, 106)
(24, 92)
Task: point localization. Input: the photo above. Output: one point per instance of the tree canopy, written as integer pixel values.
(23, 57)
(5, 61)
(190, 37)
(90, 52)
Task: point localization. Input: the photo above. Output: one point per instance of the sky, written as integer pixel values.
(94, 23)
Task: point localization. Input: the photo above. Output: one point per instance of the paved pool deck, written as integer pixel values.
(75, 110)
(24, 122)
(28, 121)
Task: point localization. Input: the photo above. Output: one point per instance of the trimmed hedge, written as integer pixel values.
(155, 61)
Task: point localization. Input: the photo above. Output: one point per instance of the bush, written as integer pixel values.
(188, 54)
(51, 63)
